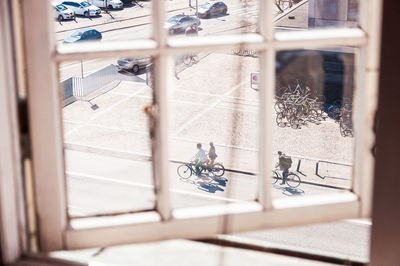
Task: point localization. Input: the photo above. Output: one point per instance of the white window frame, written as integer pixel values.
(56, 231)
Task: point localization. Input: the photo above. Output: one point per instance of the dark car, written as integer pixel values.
(208, 9)
(84, 35)
(181, 23)
(134, 64)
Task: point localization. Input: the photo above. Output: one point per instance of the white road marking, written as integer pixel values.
(147, 186)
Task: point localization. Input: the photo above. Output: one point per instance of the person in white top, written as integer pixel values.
(199, 158)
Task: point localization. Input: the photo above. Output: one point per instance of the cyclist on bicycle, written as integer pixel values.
(199, 158)
(284, 164)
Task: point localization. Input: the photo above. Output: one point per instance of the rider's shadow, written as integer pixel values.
(288, 191)
(221, 182)
(210, 188)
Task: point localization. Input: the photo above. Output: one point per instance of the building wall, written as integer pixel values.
(329, 74)
(335, 13)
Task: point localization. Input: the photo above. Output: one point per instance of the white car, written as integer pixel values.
(62, 12)
(110, 4)
(82, 8)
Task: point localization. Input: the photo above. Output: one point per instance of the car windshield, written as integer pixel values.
(85, 4)
(61, 7)
(173, 19)
(206, 5)
(78, 34)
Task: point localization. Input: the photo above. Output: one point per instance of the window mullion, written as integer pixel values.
(266, 18)
(160, 114)
(160, 138)
(267, 66)
(292, 40)
(367, 95)
(158, 22)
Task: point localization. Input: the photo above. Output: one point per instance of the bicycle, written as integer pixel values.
(189, 59)
(293, 180)
(186, 170)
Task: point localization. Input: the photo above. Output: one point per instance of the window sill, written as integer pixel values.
(172, 252)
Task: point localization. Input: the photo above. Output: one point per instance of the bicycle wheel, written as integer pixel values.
(187, 60)
(294, 122)
(275, 177)
(184, 171)
(293, 180)
(280, 120)
(218, 169)
(279, 106)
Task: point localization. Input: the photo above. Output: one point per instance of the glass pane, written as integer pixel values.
(106, 139)
(312, 14)
(211, 17)
(313, 131)
(107, 20)
(213, 104)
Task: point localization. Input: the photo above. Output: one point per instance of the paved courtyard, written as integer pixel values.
(211, 101)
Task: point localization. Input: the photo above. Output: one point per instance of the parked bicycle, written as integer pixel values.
(186, 170)
(346, 122)
(295, 107)
(245, 52)
(292, 180)
(189, 59)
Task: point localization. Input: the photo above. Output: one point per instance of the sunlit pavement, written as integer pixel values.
(116, 133)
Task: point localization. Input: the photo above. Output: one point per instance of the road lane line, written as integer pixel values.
(146, 186)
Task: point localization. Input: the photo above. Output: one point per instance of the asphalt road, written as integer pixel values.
(135, 23)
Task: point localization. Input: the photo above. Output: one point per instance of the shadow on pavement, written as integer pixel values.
(288, 191)
(221, 181)
(209, 187)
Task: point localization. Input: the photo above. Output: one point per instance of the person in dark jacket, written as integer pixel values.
(284, 166)
(211, 155)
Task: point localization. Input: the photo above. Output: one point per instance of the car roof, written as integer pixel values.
(85, 30)
(181, 16)
(56, 3)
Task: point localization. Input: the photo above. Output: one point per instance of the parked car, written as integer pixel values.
(134, 64)
(84, 35)
(110, 4)
(208, 9)
(62, 12)
(181, 23)
(82, 8)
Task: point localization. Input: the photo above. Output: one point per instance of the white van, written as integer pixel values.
(110, 4)
(82, 8)
(62, 12)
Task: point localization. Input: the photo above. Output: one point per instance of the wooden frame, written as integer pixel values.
(56, 232)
